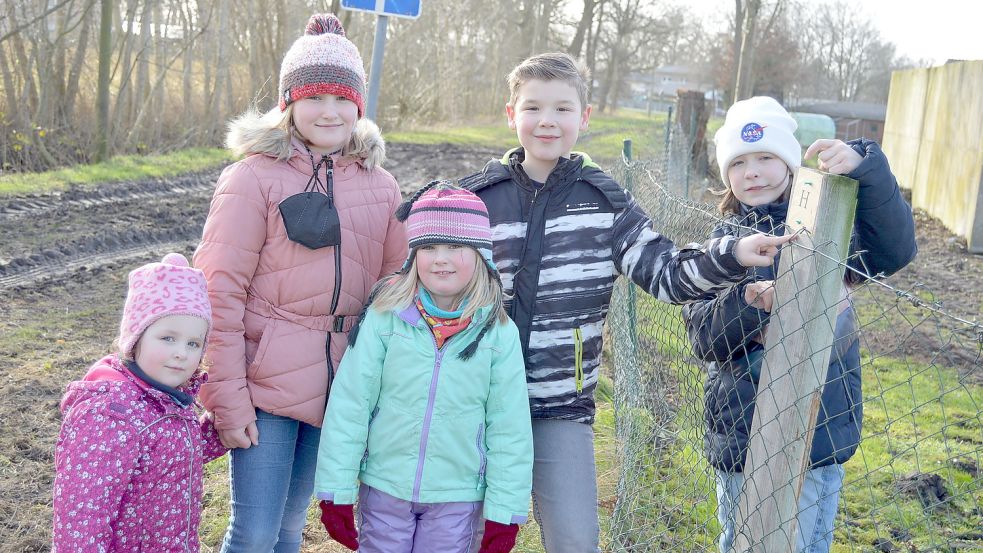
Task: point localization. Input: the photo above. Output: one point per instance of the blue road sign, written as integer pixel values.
(396, 8)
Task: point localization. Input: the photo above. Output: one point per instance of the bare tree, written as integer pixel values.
(584, 25)
(171, 72)
(846, 50)
(751, 29)
(102, 100)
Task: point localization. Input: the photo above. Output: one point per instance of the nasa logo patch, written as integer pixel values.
(752, 132)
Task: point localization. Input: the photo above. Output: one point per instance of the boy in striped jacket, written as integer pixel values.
(562, 232)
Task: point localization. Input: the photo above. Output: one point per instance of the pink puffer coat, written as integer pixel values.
(272, 298)
(128, 465)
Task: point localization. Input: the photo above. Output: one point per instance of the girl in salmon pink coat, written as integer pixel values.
(297, 233)
(128, 464)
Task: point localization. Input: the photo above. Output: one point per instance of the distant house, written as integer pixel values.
(853, 119)
(659, 88)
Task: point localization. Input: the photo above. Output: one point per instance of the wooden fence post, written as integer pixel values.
(798, 345)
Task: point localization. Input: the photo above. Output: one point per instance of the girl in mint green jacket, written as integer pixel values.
(427, 422)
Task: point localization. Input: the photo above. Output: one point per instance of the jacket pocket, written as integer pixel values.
(365, 456)
(578, 359)
(482, 456)
(261, 349)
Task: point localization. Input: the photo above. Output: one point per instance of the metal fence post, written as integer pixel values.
(632, 293)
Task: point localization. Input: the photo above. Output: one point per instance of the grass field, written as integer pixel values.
(920, 418)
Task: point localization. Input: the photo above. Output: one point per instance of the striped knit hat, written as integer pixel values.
(442, 213)
(322, 61)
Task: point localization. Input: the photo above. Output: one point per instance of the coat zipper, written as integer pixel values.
(427, 417)
(191, 465)
(526, 332)
(191, 471)
(578, 352)
(337, 268)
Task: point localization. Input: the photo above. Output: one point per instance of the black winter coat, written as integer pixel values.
(721, 329)
(559, 248)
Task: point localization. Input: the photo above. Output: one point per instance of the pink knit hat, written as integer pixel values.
(322, 61)
(442, 213)
(171, 287)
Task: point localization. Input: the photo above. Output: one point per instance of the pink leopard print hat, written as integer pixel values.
(171, 287)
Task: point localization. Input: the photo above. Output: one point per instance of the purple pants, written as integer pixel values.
(390, 525)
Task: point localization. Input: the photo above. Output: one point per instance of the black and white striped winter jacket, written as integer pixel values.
(559, 248)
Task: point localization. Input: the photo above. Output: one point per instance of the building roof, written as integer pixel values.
(851, 110)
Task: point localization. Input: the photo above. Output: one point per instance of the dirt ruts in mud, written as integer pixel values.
(53, 236)
(64, 258)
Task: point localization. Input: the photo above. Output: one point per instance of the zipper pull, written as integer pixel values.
(329, 177)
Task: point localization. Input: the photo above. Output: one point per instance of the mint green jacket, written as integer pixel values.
(422, 425)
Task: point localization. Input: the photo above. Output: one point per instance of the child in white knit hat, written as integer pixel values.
(758, 157)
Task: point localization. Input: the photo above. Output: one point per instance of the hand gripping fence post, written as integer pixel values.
(798, 346)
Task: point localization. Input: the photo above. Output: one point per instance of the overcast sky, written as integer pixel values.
(934, 30)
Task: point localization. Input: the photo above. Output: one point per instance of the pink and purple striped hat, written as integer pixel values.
(442, 213)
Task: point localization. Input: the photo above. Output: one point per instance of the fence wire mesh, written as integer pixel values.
(912, 485)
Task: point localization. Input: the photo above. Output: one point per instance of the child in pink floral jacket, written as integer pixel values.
(130, 453)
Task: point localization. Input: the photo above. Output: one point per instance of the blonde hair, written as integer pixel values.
(554, 66)
(270, 133)
(400, 290)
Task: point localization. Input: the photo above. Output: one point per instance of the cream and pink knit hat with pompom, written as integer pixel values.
(157, 290)
(322, 61)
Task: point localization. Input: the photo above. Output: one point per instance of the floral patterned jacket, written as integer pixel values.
(129, 465)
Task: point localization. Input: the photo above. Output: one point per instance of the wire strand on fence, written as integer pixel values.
(914, 482)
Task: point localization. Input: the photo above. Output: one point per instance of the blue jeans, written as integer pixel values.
(818, 502)
(564, 486)
(272, 484)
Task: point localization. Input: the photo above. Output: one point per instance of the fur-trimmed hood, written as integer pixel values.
(261, 133)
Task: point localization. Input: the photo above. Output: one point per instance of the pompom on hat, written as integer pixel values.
(758, 124)
(322, 61)
(158, 290)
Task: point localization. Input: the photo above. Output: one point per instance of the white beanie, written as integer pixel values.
(758, 124)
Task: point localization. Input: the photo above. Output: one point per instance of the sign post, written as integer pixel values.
(383, 9)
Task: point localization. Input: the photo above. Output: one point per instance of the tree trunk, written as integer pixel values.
(78, 62)
(142, 84)
(592, 39)
(577, 44)
(102, 98)
(745, 66)
(735, 50)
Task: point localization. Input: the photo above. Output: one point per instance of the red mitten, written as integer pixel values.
(499, 538)
(339, 521)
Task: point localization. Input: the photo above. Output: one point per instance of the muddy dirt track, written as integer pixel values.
(63, 264)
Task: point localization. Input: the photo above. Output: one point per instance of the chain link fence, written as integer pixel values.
(914, 483)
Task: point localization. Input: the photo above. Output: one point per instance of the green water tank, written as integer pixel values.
(812, 127)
